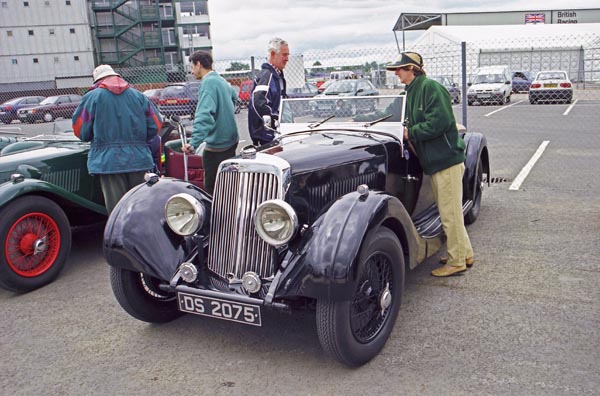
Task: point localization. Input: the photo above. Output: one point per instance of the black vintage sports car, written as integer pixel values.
(330, 214)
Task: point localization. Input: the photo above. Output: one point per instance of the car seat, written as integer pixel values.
(174, 166)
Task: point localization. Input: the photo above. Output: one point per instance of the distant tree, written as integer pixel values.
(235, 66)
(316, 67)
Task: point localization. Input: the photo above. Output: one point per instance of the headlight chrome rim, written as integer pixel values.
(290, 228)
(190, 207)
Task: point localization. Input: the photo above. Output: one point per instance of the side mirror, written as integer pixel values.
(360, 90)
(469, 84)
(507, 82)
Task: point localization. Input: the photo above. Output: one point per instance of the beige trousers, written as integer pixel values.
(447, 190)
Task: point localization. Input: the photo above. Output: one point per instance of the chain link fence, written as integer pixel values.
(512, 91)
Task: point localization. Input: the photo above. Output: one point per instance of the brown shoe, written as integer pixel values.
(448, 270)
(469, 261)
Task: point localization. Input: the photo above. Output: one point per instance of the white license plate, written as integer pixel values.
(482, 96)
(220, 309)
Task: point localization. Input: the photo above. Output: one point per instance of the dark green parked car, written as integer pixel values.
(45, 190)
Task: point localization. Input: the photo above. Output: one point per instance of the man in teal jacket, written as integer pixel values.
(431, 129)
(118, 120)
(214, 122)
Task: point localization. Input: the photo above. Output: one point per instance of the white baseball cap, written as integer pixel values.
(103, 71)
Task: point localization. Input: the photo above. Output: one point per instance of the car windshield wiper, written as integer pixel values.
(316, 124)
(368, 124)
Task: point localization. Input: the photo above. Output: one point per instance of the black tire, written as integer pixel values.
(469, 103)
(473, 213)
(340, 333)
(140, 297)
(532, 101)
(36, 243)
(509, 98)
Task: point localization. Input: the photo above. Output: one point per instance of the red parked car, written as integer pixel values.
(8, 110)
(153, 95)
(245, 92)
(50, 108)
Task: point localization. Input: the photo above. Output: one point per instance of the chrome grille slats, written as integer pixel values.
(67, 179)
(234, 245)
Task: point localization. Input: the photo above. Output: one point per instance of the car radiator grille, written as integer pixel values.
(234, 246)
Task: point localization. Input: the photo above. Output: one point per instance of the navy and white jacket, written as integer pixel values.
(267, 91)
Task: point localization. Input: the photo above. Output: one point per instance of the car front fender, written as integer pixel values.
(325, 264)
(20, 186)
(137, 237)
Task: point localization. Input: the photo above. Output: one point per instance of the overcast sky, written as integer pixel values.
(241, 28)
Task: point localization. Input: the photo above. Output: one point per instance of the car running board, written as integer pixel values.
(429, 224)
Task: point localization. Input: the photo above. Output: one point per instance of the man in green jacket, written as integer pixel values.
(431, 129)
(214, 121)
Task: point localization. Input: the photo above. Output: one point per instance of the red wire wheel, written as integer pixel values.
(35, 238)
(32, 245)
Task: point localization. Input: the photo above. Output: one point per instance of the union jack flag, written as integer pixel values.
(535, 18)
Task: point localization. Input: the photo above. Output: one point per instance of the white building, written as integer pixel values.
(44, 42)
(574, 48)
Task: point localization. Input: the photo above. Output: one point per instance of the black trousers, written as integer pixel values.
(259, 142)
(210, 162)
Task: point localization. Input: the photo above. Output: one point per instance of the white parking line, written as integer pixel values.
(570, 107)
(502, 108)
(527, 168)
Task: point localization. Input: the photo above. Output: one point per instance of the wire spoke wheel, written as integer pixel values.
(35, 237)
(354, 331)
(32, 245)
(141, 297)
(366, 314)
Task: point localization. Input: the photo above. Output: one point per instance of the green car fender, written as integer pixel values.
(20, 186)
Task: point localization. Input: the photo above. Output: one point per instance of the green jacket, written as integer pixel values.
(432, 127)
(214, 122)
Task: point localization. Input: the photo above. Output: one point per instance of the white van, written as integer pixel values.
(490, 84)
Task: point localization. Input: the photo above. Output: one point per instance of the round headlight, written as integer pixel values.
(184, 214)
(276, 222)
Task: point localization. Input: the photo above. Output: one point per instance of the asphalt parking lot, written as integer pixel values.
(525, 320)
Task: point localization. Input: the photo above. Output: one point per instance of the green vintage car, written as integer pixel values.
(45, 191)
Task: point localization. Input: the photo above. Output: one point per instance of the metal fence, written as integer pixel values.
(470, 70)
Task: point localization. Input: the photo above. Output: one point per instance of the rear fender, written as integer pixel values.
(476, 147)
(325, 264)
